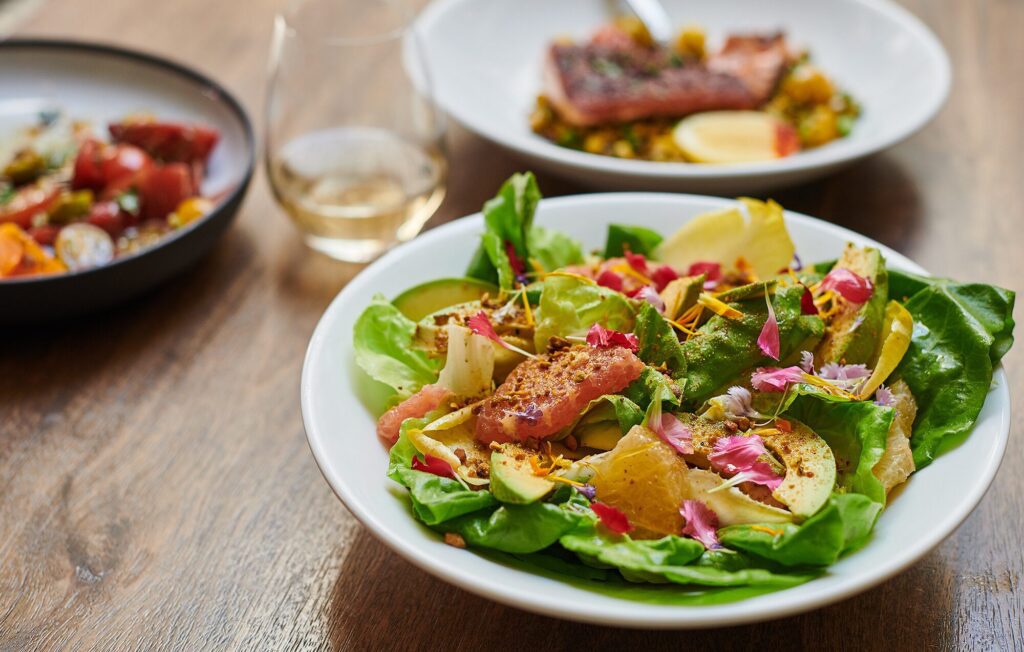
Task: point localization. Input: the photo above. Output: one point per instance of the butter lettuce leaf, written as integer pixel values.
(658, 342)
(842, 525)
(569, 306)
(508, 218)
(961, 331)
(434, 499)
(653, 384)
(383, 341)
(508, 224)
(521, 529)
(677, 560)
(638, 239)
(552, 249)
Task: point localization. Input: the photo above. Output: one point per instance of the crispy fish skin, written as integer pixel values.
(593, 84)
(545, 394)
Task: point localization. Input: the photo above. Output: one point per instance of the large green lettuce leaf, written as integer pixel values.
(843, 524)
(658, 342)
(384, 349)
(961, 331)
(553, 249)
(727, 347)
(569, 306)
(508, 222)
(434, 499)
(637, 239)
(652, 383)
(677, 560)
(523, 528)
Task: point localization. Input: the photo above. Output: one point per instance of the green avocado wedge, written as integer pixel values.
(419, 301)
(513, 481)
(853, 333)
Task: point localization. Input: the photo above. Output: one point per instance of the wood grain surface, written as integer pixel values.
(156, 490)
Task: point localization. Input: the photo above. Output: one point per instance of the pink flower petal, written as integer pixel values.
(636, 261)
(701, 523)
(648, 294)
(612, 518)
(518, 268)
(481, 325)
(768, 340)
(807, 306)
(672, 431)
(775, 379)
(603, 338)
(740, 454)
(434, 465)
(853, 288)
(610, 280)
(713, 270)
(662, 276)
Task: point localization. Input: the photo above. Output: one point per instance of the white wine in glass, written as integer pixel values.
(354, 140)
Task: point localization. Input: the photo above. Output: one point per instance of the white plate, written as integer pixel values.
(342, 437)
(485, 60)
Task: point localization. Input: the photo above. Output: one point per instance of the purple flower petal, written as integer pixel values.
(648, 294)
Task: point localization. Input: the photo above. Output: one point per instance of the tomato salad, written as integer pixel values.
(70, 200)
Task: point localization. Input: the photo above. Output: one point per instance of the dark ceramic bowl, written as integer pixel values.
(101, 84)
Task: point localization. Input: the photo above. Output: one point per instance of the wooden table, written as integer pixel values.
(157, 490)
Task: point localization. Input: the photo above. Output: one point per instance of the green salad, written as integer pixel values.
(690, 418)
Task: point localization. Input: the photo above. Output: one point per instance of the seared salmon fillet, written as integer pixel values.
(545, 394)
(596, 83)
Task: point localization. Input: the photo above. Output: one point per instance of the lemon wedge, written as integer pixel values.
(734, 137)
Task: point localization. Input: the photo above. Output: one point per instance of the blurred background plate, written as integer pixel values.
(486, 62)
(101, 84)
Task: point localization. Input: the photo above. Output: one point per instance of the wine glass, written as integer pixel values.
(354, 140)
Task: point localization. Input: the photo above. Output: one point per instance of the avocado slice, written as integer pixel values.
(748, 291)
(810, 469)
(681, 294)
(853, 332)
(512, 478)
(427, 298)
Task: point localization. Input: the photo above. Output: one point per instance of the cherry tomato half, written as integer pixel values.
(162, 188)
(170, 142)
(27, 202)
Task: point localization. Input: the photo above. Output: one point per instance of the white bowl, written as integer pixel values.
(342, 437)
(485, 60)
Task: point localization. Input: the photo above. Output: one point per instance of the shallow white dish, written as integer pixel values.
(341, 433)
(485, 60)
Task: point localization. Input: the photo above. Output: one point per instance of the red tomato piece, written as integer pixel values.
(108, 216)
(44, 235)
(88, 173)
(28, 201)
(123, 161)
(170, 142)
(162, 187)
(99, 167)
